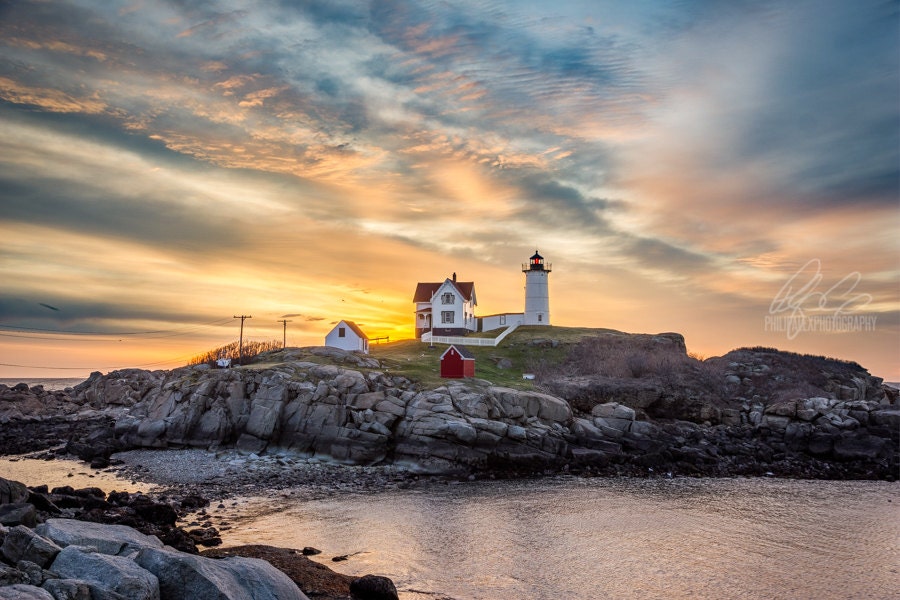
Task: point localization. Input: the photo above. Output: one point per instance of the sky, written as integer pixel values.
(706, 167)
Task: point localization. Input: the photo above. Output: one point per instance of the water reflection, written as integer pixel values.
(606, 538)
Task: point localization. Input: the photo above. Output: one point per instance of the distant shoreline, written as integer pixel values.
(49, 383)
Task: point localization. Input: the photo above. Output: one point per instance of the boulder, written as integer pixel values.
(782, 409)
(886, 418)
(11, 576)
(107, 539)
(21, 543)
(190, 577)
(12, 492)
(613, 410)
(20, 513)
(24, 592)
(860, 446)
(373, 587)
(33, 572)
(68, 589)
(103, 572)
(518, 404)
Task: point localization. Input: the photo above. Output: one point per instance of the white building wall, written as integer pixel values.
(492, 322)
(350, 341)
(537, 298)
(462, 309)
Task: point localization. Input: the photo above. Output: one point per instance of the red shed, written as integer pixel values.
(457, 362)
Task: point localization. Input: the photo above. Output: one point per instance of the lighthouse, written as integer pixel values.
(537, 291)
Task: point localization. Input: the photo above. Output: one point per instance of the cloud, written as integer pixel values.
(196, 154)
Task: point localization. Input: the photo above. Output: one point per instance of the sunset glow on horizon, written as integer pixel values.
(682, 165)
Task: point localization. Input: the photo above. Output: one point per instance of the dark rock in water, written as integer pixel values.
(310, 551)
(373, 587)
(313, 578)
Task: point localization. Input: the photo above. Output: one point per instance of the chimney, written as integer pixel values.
(454, 276)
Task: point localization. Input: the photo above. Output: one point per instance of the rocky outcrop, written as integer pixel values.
(78, 559)
(749, 412)
(618, 404)
(67, 559)
(349, 415)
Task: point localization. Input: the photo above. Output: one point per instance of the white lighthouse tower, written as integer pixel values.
(537, 291)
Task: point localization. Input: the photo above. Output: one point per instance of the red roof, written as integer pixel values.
(464, 353)
(425, 291)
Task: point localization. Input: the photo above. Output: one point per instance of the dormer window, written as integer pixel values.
(447, 298)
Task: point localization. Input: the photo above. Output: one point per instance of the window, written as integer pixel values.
(421, 316)
(503, 319)
(447, 316)
(540, 318)
(447, 298)
(342, 332)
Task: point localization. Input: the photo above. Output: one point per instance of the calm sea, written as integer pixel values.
(604, 538)
(49, 383)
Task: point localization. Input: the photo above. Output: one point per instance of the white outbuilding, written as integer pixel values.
(347, 335)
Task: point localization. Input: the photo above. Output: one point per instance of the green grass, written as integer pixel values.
(417, 361)
(528, 349)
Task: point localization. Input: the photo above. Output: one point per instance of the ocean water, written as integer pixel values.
(49, 383)
(603, 538)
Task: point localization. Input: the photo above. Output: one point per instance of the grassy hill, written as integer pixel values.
(529, 349)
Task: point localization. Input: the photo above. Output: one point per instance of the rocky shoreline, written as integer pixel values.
(316, 422)
(752, 412)
(78, 544)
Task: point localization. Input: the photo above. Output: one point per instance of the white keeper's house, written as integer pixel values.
(445, 308)
(448, 308)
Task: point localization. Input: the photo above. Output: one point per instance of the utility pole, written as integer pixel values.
(241, 342)
(284, 340)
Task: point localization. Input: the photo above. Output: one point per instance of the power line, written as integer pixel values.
(241, 342)
(284, 340)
